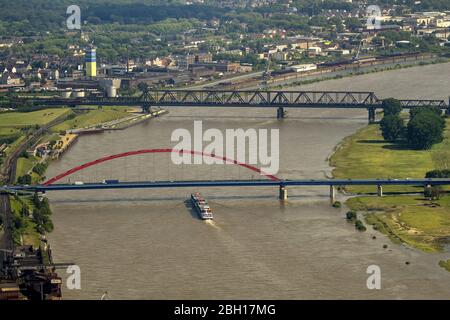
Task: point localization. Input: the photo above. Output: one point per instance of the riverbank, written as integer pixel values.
(405, 219)
(40, 137)
(366, 154)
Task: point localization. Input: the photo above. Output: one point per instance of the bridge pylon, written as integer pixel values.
(380, 190)
(332, 194)
(146, 108)
(371, 115)
(281, 114)
(427, 190)
(283, 193)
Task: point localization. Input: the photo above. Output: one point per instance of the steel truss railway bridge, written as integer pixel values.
(279, 100)
(269, 181)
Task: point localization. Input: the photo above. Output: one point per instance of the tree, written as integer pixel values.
(25, 179)
(433, 192)
(359, 225)
(425, 129)
(40, 168)
(353, 23)
(391, 106)
(438, 174)
(391, 127)
(24, 154)
(36, 201)
(415, 111)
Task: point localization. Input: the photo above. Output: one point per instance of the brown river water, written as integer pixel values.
(148, 244)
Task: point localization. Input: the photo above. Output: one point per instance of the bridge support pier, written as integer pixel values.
(380, 190)
(332, 194)
(281, 113)
(371, 115)
(283, 193)
(146, 108)
(427, 191)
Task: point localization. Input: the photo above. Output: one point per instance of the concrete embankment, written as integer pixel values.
(64, 143)
(119, 124)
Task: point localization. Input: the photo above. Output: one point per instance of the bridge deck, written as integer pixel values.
(229, 183)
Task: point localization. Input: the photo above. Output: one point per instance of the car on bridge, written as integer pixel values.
(112, 181)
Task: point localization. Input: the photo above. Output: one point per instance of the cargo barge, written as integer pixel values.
(201, 206)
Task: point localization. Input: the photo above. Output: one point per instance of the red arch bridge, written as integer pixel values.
(268, 181)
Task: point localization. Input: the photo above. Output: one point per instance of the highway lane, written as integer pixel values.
(227, 183)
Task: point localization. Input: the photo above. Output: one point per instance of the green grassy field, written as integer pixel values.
(366, 155)
(93, 117)
(23, 119)
(408, 219)
(7, 131)
(24, 165)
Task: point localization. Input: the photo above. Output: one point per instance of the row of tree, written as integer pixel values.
(41, 214)
(444, 173)
(424, 129)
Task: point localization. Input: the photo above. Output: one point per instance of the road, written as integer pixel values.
(231, 183)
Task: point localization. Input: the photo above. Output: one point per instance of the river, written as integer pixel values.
(148, 244)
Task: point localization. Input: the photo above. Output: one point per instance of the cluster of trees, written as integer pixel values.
(392, 125)
(8, 139)
(41, 217)
(29, 107)
(20, 221)
(425, 127)
(352, 216)
(40, 168)
(25, 179)
(445, 173)
(142, 13)
(434, 192)
(41, 214)
(430, 4)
